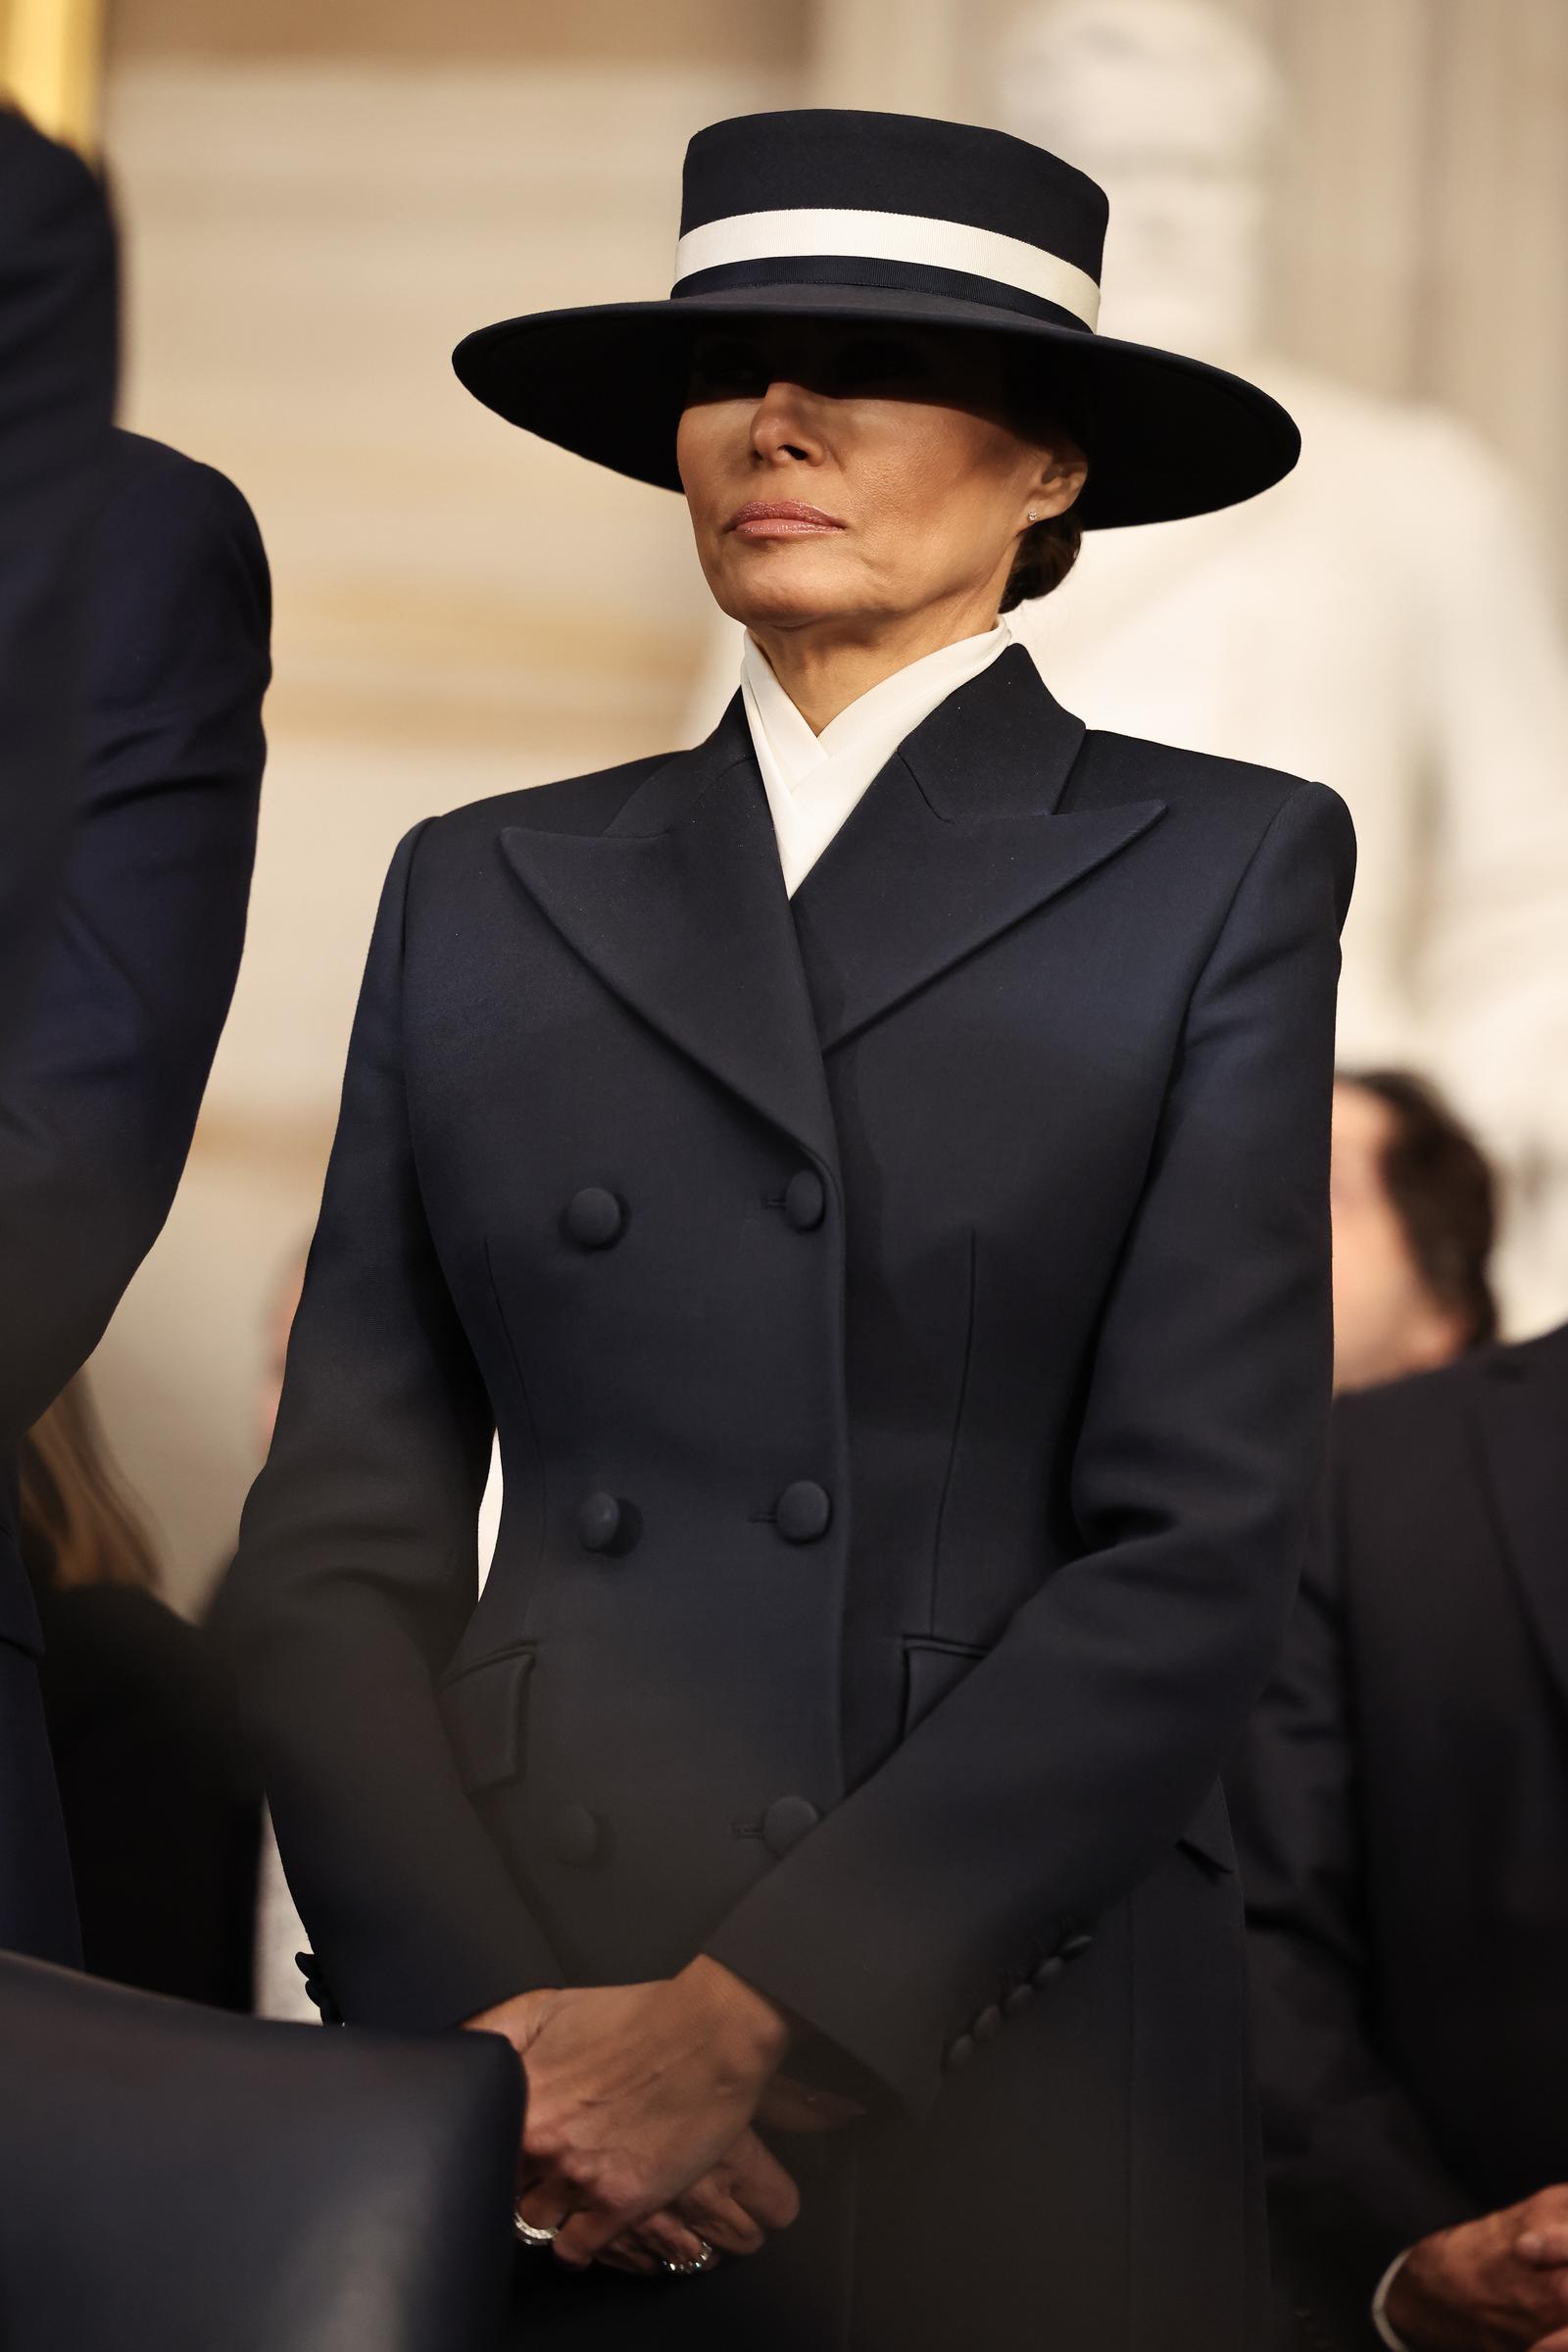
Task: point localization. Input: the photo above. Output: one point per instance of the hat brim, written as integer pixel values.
(1166, 436)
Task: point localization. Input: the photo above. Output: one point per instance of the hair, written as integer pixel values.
(1046, 553)
(1445, 1195)
(1049, 550)
(79, 1523)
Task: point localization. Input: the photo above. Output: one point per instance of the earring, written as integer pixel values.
(1033, 516)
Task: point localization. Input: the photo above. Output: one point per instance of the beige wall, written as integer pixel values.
(319, 197)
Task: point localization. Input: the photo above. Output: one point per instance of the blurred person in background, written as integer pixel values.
(57, 387)
(1414, 1205)
(161, 1804)
(57, 332)
(833, 1749)
(103, 1071)
(1402, 1810)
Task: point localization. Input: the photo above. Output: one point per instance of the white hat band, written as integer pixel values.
(890, 237)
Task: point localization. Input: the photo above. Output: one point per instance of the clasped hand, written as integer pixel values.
(1496, 2284)
(637, 2144)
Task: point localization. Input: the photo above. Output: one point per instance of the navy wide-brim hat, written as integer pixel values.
(832, 214)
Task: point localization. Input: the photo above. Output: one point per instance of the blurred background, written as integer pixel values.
(318, 197)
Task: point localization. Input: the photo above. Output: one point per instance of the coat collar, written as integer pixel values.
(679, 904)
(1521, 1401)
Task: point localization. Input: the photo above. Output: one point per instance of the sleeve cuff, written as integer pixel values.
(1380, 2317)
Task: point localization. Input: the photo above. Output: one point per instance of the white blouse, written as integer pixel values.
(813, 781)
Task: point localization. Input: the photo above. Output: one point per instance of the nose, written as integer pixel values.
(785, 428)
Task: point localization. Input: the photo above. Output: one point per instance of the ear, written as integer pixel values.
(1059, 475)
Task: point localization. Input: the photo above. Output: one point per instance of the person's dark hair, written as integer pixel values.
(79, 1523)
(1445, 1196)
(1048, 552)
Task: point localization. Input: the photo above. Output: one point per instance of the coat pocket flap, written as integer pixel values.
(1208, 1833)
(931, 1668)
(486, 1711)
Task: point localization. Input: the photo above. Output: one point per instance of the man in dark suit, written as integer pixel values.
(57, 384)
(1403, 1818)
(57, 389)
(101, 1081)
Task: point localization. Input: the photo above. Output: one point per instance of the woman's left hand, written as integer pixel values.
(634, 2092)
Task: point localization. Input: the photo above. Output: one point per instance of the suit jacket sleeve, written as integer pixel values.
(1055, 1776)
(1354, 2174)
(358, 1569)
(57, 389)
(101, 1084)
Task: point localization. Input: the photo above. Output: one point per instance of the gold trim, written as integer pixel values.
(51, 54)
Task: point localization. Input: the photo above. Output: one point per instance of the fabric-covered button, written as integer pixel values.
(959, 2052)
(595, 1217)
(600, 1521)
(804, 1200)
(1017, 2001)
(578, 1838)
(1049, 1970)
(787, 1821)
(804, 1511)
(986, 2022)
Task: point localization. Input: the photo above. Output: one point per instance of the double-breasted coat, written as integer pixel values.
(904, 1310)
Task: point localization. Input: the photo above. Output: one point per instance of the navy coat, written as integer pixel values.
(906, 1313)
(103, 1075)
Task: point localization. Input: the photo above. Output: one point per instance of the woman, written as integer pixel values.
(872, 1168)
(162, 1811)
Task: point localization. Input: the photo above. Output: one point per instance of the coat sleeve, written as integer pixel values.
(101, 1081)
(358, 1569)
(1056, 1775)
(58, 332)
(1355, 2178)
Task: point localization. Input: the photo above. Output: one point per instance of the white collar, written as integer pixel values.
(871, 727)
(813, 781)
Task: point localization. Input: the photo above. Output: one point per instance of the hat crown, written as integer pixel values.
(837, 195)
(842, 159)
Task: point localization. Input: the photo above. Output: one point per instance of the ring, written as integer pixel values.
(532, 2237)
(691, 2270)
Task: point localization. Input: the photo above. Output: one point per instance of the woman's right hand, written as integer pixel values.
(733, 2209)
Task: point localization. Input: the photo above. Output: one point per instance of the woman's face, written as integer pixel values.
(897, 481)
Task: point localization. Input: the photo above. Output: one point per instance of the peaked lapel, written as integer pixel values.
(961, 836)
(679, 905)
(1521, 1402)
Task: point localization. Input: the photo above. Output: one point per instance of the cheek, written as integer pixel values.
(710, 441)
(947, 487)
(693, 447)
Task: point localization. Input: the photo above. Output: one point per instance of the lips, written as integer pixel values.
(780, 518)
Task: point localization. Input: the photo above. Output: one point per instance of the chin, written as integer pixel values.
(781, 594)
